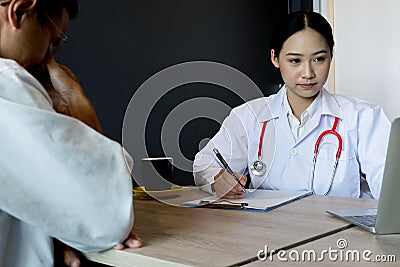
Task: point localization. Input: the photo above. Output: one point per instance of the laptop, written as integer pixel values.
(386, 218)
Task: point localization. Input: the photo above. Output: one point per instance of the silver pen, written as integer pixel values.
(226, 166)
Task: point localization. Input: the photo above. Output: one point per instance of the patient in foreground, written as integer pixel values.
(60, 177)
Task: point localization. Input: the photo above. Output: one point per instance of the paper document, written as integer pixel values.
(259, 199)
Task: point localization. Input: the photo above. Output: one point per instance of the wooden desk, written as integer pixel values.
(357, 241)
(212, 237)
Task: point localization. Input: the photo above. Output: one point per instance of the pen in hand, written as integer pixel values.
(226, 166)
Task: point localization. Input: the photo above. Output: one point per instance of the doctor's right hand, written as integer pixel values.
(227, 187)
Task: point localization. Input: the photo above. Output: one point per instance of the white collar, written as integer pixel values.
(329, 106)
(308, 113)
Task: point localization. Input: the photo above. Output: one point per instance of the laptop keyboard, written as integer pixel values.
(367, 220)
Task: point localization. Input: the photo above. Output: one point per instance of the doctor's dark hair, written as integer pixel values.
(54, 8)
(298, 21)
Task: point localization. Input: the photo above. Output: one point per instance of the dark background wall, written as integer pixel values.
(114, 46)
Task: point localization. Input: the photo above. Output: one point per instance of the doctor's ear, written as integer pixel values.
(274, 59)
(18, 9)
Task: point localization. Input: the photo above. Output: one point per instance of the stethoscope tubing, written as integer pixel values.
(316, 152)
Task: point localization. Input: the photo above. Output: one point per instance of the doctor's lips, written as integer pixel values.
(307, 85)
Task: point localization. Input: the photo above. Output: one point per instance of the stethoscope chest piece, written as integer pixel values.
(258, 168)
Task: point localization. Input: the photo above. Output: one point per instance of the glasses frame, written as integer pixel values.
(61, 40)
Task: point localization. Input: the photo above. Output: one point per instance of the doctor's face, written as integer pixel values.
(304, 62)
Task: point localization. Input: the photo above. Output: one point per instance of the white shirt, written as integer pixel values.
(297, 126)
(58, 177)
(363, 127)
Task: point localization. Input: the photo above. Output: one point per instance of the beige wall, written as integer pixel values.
(367, 50)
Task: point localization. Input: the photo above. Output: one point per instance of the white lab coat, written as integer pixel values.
(58, 177)
(364, 129)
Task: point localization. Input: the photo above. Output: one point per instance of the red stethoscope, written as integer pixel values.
(258, 167)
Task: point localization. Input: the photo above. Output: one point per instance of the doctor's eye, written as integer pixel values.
(319, 59)
(294, 60)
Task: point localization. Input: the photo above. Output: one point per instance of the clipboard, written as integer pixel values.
(256, 200)
(223, 204)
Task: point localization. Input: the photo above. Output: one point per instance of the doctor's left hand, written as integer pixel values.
(72, 259)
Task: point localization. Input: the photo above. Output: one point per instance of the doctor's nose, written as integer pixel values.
(308, 71)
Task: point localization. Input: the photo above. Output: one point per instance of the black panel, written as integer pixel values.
(114, 46)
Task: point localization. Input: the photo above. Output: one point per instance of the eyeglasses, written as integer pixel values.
(61, 40)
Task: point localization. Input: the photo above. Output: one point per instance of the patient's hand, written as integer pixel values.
(71, 257)
(132, 241)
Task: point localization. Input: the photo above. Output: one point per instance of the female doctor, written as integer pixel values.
(303, 137)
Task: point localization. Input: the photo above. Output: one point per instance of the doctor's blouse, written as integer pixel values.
(288, 146)
(58, 177)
